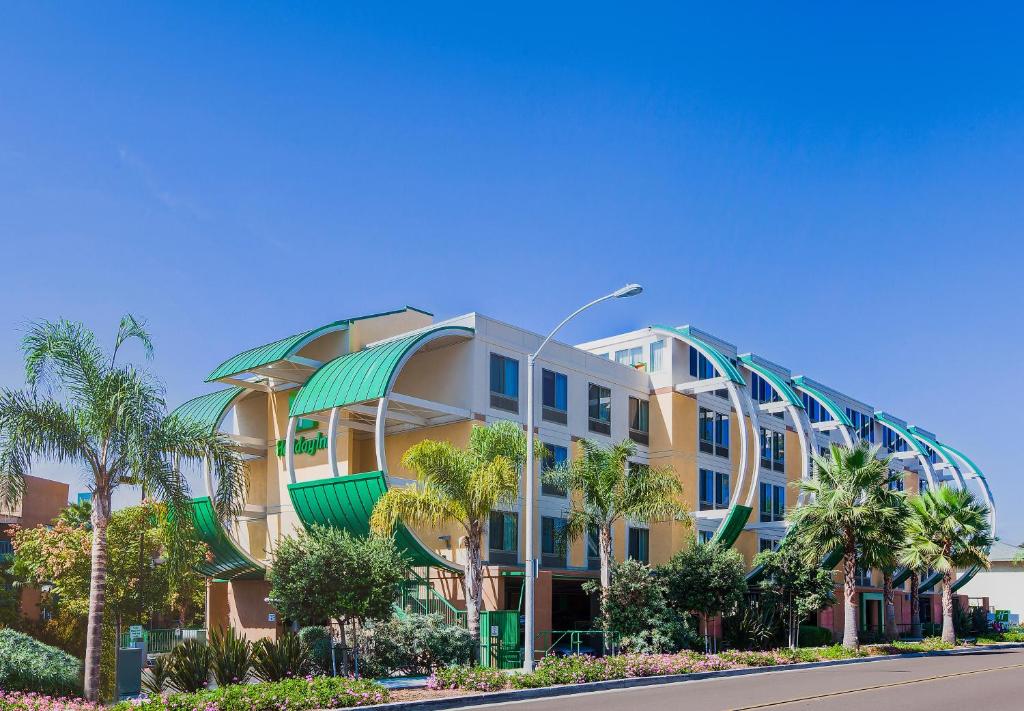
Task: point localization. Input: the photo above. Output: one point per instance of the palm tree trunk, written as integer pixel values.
(97, 594)
(889, 598)
(604, 546)
(850, 638)
(915, 605)
(948, 631)
(474, 588)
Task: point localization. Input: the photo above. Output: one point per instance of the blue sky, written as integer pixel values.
(835, 188)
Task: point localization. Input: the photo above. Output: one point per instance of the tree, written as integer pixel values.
(609, 488)
(83, 407)
(793, 579)
(460, 486)
(881, 546)
(947, 530)
(329, 574)
(705, 578)
(840, 512)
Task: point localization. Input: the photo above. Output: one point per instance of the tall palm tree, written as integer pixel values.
(609, 489)
(83, 407)
(947, 530)
(881, 548)
(460, 486)
(842, 511)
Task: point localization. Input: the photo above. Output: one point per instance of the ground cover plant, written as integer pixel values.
(31, 701)
(321, 692)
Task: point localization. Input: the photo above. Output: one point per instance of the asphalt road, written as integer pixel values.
(984, 680)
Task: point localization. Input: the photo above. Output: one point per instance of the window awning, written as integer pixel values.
(208, 410)
(346, 502)
(261, 356)
(227, 561)
(364, 375)
(778, 384)
(824, 400)
(723, 365)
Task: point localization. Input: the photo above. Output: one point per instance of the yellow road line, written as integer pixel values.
(873, 688)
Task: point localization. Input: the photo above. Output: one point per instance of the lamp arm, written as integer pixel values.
(569, 318)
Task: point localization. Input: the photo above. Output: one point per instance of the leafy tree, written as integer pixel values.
(947, 530)
(77, 514)
(795, 583)
(611, 489)
(329, 574)
(83, 407)
(705, 578)
(841, 512)
(460, 486)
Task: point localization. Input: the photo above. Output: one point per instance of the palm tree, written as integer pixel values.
(83, 407)
(459, 486)
(881, 548)
(842, 512)
(610, 488)
(947, 530)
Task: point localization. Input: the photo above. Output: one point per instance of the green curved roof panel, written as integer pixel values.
(961, 455)
(347, 502)
(270, 353)
(965, 578)
(830, 561)
(936, 447)
(901, 576)
(730, 528)
(360, 376)
(778, 384)
(208, 409)
(824, 400)
(930, 582)
(902, 431)
(228, 561)
(722, 363)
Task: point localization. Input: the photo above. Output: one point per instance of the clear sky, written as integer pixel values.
(836, 187)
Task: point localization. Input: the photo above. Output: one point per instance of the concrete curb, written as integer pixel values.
(501, 697)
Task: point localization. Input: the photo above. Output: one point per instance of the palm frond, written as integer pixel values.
(129, 328)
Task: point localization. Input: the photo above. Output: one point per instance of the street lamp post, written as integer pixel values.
(531, 562)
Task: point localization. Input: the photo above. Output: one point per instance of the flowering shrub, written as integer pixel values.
(756, 659)
(292, 694)
(473, 678)
(31, 701)
(929, 644)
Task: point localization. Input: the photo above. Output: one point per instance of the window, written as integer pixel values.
(593, 549)
(556, 457)
(554, 397)
(639, 541)
(773, 450)
(714, 490)
(599, 409)
(815, 412)
(895, 480)
(892, 441)
(705, 536)
(926, 609)
(702, 368)
(639, 420)
(713, 432)
(504, 383)
(864, 578)
(552, 545)
(657, 359)
(773, 502)
(630, 356)
(862, 424)
(503, 538)
(766, 544)
(761, 390)
(922, 485)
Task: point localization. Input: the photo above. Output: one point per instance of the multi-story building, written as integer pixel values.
(323, 418)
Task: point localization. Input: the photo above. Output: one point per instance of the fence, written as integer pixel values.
(565, 642)
(419, 596)
(162, 641)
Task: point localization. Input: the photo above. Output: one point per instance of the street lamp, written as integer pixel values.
(531, 563)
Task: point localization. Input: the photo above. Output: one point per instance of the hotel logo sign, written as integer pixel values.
(304, 445)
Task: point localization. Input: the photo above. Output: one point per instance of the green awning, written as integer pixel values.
(930, 582)
(723, 365)
(965, 578)
(824, 400)
(347, 502)
(953, 450)
(209, 409)
(935, 446)
(899, 429)
(731, 527)
(901, 576)
(778, 384)
(260, 356)
(360, 376)
(227, 560)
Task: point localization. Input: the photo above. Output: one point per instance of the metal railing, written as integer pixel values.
(419, 596)
(162, 641)
(565, 642)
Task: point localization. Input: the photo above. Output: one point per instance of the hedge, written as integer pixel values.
(26, 664)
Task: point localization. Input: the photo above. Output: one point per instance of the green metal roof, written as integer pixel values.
(722, 363)
(930, 582)
(778, 384)
(933, 443)
(360, 376)
(730, 528)
(958, 453)
(246, 361)
(208, 409)
(902, 431)
(347, 502)
(965, 578)
(228, 561)
(824, 400)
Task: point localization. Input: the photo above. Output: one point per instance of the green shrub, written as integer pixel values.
(415, 644)
(292, 694)
(318, 641)
(231, 657)
(190, 666)
(474, 678)
(813, 636)
(157, 677)
(26, 664)
(286, 658)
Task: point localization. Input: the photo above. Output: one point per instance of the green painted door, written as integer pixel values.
(499, 639)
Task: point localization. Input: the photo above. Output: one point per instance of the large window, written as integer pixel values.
(639, 420)
(504, 536)
(554, 397)
(504, 383)
(630, 356)
(767, 544)
(552, 542)
(761, 390)
(556, 457)
(639, 543)
(657, 360)
(862, 424)
(773, 450)
(702, 368)
(815, 411)
(892, 441)
(773, 503)
(714, 490)
(713, 432)
(599, 409)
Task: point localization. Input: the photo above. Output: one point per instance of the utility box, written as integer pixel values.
(500, 644)
(130, 661)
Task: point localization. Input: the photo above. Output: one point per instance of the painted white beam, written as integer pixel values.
(825, 426)
(430, 405)
(247, 384)
(771, 407)
(393, 414)
(703, 386)
(307, 362)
